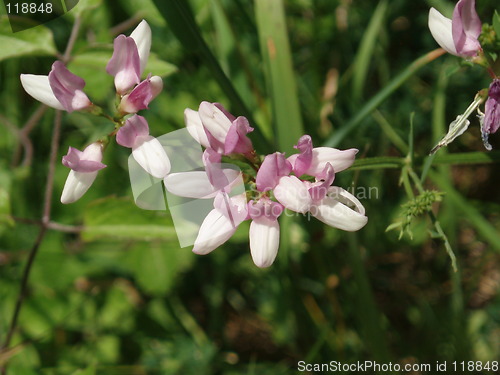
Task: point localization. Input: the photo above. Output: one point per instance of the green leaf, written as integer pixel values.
(156, 266)
(496, 24)
(275, 49)
(122, 219)
(37, 41)
(159, 67)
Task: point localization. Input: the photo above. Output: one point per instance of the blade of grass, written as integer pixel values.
(390, 132)
(275, 48)
(378, 99)
(365, 53)
(181, 22)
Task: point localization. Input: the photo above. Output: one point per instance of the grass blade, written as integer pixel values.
(280, 77)
(365, 53)
(378, 99)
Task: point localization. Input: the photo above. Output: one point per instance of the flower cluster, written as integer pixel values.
(300, 183)
(461, 36)
(63, 90)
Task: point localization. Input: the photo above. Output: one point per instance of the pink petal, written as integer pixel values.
(491, 121)
(236, 139)
(225, 111)
(466, 27)
(85, 162)
(124, 64)
(319, 189)
(272, 169)
(302, 161)
(67, 88)
(141, 95)
(136, 126)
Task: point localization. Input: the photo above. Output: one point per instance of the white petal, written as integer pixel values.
(339, 159)
(440, 28)
(293, 194)
(195, 127)
(76, 185)
(335, 210)
(214, 120)
(196, 184)
(214, 231)
(152, 157)
(264, 241)
(156, 86)
(93, 152)
(39, 88)
(142, 38)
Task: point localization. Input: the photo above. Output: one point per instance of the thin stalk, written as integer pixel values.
(435, 223)
(45, 220)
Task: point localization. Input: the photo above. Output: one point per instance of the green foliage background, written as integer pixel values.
(111, 292)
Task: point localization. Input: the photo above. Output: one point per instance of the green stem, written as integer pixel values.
(378, 99)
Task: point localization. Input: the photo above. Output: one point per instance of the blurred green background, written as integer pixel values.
(111, 292)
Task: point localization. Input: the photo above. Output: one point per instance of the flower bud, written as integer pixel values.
(84, 167)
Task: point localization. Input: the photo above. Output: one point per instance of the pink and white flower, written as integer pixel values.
(264, 231)
(340, 209)
(214, 127)
(84, 167)
(312, 161)
(491, 120)
(130, 56)
(146, 149)
(459, 35)
(271, 170)
(220, 223)
(61, 89)
(140, 97)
